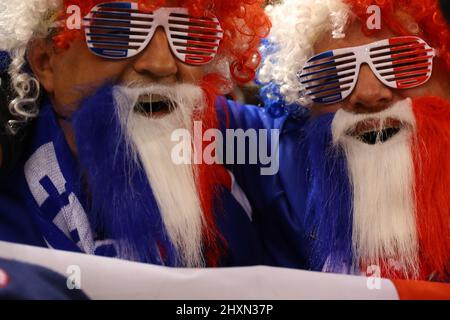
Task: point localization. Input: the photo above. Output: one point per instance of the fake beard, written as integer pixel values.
(381, 175)
(379, 190)
(139, 197)
(174, 186)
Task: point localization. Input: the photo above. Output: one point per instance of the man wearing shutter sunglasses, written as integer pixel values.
(116, 80)
(364, 115)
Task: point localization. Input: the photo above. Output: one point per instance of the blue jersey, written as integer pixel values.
(278, 201)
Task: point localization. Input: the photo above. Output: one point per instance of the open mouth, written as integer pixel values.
(154, 107)
(376, 131)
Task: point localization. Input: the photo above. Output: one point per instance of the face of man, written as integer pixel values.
(370, 95)
(70, 75)
(383, 133)
(153, 94)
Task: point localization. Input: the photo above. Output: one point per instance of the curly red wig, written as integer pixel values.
(397, 14)
(244, 23)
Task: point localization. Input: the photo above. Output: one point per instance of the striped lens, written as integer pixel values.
(118, 30)
(400, 63)
(195, 41)
(329, 77)
(405, 62)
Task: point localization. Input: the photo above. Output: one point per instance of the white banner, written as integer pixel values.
(105, 278)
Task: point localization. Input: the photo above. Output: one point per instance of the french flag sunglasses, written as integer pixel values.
(399, 63)
(118, 30)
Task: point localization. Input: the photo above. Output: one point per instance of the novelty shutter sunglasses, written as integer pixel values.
(118, 30)
(399, 63)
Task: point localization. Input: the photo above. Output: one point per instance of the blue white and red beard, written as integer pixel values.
(139, 197)
(385, 185)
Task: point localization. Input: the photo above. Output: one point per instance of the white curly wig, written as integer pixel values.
(20, 22)
(296, 26)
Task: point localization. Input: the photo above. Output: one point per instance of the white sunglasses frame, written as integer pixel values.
(160, 18)
(362, 54)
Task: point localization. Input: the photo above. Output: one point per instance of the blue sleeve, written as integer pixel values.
(243, 242)
(244, 116)
(258, 188)
(278, 200)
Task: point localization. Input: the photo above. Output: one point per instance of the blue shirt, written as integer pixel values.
(278, 201)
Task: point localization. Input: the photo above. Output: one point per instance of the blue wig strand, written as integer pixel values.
(273, 101)
(329, 203)
(122, 205)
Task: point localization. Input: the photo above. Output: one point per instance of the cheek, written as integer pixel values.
(65, 93)
(437, 87)
(78, 73)
(319, 110)
(190, 74)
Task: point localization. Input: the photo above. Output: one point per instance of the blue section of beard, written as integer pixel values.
(122, 206)
(329, 203)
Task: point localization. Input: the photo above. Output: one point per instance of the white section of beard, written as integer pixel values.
(382, 178)
(174, 186)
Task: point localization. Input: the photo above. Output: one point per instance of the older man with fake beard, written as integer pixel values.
(117, 80)
(361, 95)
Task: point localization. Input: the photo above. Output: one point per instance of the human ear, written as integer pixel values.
(39, 56)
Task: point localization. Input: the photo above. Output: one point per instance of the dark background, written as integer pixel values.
(446, 8)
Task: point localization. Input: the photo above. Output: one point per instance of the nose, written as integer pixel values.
(157, 60)
(370, 95)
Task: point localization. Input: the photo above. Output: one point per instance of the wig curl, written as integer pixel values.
(20, 21)
(298, 24)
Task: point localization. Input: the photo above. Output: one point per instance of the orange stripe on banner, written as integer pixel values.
(422, 290)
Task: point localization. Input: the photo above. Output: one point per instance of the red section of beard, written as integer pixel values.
(431, 152)
(211, 177)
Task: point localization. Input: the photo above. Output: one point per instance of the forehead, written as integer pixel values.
(353, 37)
